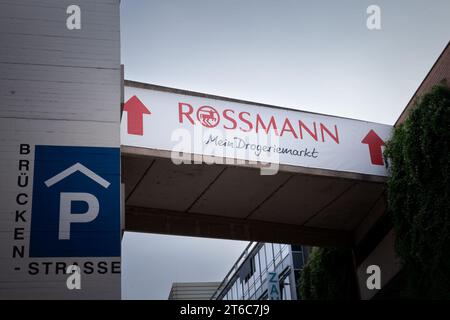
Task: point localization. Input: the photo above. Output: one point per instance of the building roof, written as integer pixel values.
(192, 290)
(439, 73)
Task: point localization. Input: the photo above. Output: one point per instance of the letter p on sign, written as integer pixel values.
(67, 217)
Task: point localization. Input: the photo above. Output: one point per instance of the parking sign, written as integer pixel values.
(75, 210)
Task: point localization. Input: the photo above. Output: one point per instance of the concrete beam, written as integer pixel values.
(139, 219)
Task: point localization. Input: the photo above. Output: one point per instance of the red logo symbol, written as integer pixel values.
(208, 116)
(375, 143)
(136, 110)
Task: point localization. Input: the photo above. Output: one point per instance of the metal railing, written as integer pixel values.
(245, 254)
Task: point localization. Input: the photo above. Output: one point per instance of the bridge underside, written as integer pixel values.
(236, 202)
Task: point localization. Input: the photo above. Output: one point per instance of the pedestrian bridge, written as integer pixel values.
(323, 202)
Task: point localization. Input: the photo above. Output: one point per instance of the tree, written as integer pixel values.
(327, 275)
(419, 195)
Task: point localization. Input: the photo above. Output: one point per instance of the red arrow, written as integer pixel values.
(375, 143)
(136, 110)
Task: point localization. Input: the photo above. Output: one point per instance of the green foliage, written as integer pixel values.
(418, 195)
(327, 275)
(419, 203)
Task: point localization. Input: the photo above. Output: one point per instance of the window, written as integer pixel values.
(245, 291)
(257, 266)
(252, 291)
(235, 290)
(297, 258)
(286, 291)
(246, 297)
(277, 248)
(257, 283)
(277, 253)
(284, 251)
(263, 259)
(269, 255)
(239, 288)
(251, 270)
(297, 274)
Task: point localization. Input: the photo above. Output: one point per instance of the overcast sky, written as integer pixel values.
(310, 55)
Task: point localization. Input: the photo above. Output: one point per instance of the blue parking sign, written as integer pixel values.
(76, 202)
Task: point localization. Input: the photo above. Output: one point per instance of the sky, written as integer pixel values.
(315, 56)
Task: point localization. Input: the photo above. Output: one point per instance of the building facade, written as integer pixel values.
(248, 279)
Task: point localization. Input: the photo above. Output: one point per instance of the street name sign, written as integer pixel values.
(60, 227)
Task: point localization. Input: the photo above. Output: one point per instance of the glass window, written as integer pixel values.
(277, 248)
(257, 283)
(286, 289)
(284, 251)
(236, 292)
(252, 269)
(251, 280)
(297, 259)
(277, 253)
(305, 252)
(269, 255)
(257, 267)
(263, 274)
(246, 291)
(252, 291)
(263, 259)
(297, 274)
(239, 289)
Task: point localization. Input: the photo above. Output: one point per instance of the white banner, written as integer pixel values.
(177, 122)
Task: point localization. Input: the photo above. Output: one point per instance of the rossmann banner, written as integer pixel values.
(187, 124)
